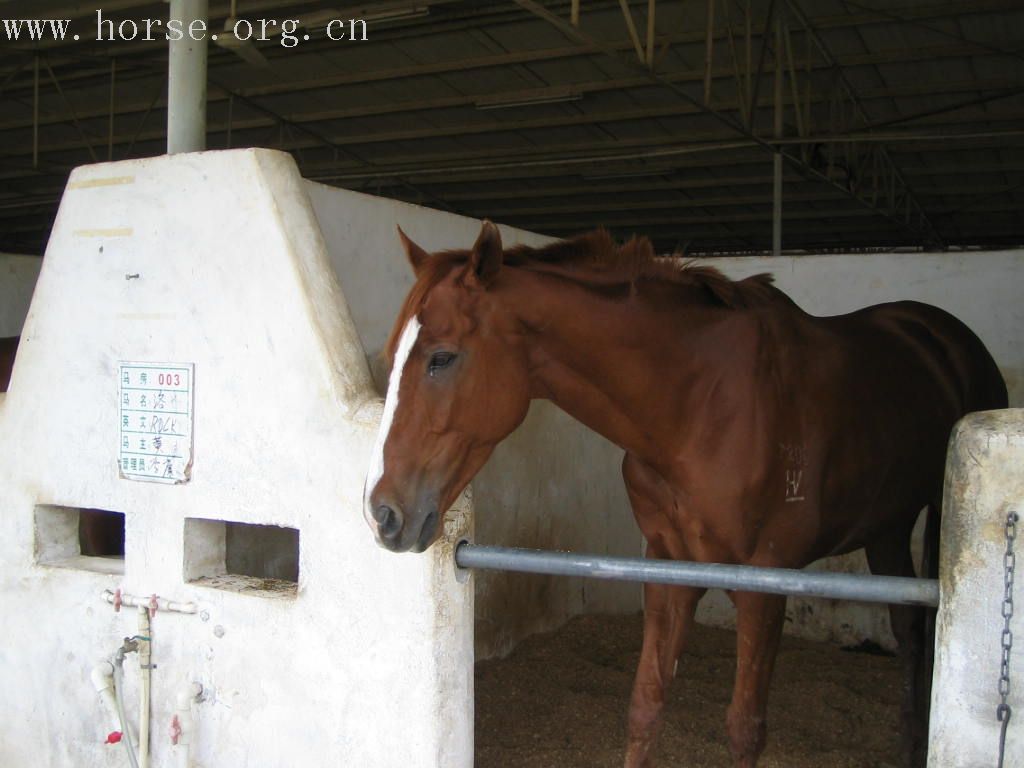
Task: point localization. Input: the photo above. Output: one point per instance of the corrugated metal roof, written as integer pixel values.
(908, 131)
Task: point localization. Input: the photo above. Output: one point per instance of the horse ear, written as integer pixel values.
(416, 255)
(487, 253)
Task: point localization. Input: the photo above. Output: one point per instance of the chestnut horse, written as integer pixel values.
(754, 433)
(100, 533)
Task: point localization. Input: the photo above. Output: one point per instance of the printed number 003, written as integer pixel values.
(169, 379)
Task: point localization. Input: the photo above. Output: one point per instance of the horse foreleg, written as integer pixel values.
(668, 616)
(668, 611)
(759, 620)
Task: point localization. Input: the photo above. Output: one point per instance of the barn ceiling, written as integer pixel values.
(899, 123)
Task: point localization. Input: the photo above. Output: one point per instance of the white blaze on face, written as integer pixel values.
(405, 345)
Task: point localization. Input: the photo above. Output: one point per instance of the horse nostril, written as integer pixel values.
(389, 521)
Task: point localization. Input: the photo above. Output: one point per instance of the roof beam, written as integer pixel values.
(667, 151)
(905, 18)
(654, 184)
(882, 164)
(638, 219)
(664, 152)
(490, 203)
(967, 48)
(676, 203)
(836, 217)
(917, 223)
(610, 204)
(1000, 88)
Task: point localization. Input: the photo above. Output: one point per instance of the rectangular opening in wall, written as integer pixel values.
(253, 559)
(79, 537)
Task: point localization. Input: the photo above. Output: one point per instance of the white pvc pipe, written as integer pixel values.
(186, 79)
(137, 601)
(186, 725)
(145, 676)
(126, 730)
(102, 677)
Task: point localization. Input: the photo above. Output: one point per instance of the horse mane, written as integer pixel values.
(595, 258)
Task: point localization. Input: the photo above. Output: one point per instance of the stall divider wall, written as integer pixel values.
(215, 260)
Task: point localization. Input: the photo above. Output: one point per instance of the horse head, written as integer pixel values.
(458, 385)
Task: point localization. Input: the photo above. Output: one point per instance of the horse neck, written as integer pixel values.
(630, 364)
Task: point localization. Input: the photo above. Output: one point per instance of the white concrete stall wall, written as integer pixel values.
(553, 484)
(370, 663)
(983, 289)
(18, 276)
(984, 483)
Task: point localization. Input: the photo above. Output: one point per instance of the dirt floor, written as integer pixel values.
(560, 701)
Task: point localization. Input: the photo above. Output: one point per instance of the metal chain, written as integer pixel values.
(1003, 711)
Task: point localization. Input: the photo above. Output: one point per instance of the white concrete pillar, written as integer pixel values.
(186, 78)
(984, 483)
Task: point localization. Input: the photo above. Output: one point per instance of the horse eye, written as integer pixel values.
(439, 361)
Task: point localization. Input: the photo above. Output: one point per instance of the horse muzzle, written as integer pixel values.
(401, 532)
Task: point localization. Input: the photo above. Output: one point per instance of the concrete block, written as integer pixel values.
(984, 482)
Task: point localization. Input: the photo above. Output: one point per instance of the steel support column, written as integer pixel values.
(186, 81)
(35, 113)
(777, 158)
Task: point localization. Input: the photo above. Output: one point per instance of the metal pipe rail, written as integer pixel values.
(745, 578)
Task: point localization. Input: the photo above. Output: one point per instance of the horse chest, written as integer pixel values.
(709, 531)
(765, 508)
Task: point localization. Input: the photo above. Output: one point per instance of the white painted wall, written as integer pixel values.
(18, 276)
(984, 482)
(370, 664)
(553, 484)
